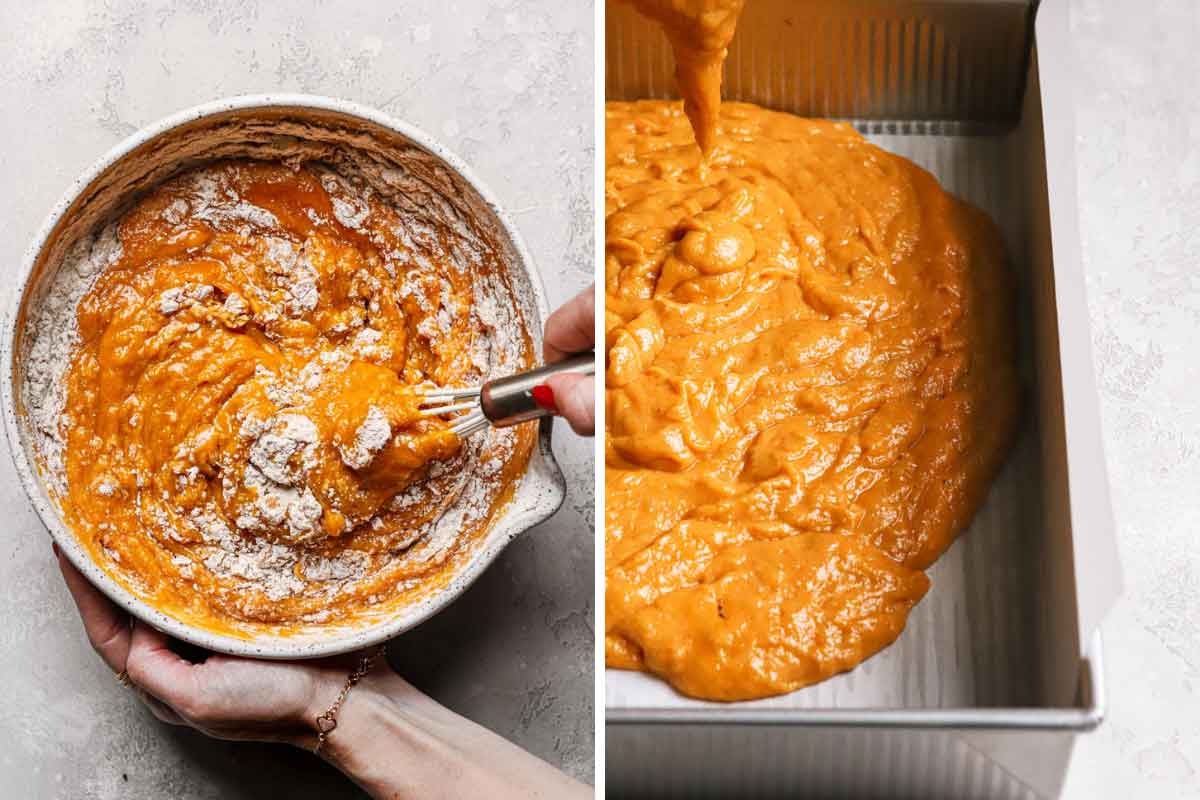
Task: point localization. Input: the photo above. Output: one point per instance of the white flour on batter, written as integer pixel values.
(282, 497)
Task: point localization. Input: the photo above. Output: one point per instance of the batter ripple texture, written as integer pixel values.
(228, 416)
(810, 385)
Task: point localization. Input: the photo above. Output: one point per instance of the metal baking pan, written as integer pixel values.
(999, 668)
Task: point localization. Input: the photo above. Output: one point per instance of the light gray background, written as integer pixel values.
(1138, 123)
(507, 85)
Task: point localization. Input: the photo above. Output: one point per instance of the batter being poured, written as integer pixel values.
(810, 383)
(241, 440)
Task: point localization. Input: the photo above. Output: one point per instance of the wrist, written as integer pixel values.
(383, 722)
(396, 742)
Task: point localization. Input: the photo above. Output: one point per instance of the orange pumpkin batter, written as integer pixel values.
(699, 32)
(243, 447)
(810, 385)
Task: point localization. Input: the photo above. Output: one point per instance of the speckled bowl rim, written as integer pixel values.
(543, 480)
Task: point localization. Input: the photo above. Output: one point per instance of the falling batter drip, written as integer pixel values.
(699, 32)
(810, 384)
(241, 443)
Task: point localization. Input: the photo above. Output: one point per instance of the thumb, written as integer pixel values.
(575, 396)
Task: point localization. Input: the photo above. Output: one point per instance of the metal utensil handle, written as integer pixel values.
(508, 401)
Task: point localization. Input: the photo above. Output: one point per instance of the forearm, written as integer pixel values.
(397, 743)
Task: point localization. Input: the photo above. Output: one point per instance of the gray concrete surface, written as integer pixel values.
(1138, 118)
(508, 86)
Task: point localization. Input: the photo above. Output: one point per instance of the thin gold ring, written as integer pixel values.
(123, 679)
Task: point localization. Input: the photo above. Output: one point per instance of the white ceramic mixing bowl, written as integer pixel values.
(263, 126)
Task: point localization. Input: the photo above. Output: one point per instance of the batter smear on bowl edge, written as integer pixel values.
(810, 385)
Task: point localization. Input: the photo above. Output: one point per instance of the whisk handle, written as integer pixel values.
(508, 401)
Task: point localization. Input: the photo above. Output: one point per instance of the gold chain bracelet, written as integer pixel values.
(327, 722)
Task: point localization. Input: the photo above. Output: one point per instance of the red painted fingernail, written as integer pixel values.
(54, 547)
(544, 396)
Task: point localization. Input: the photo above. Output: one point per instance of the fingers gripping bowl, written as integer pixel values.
(286, 268)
